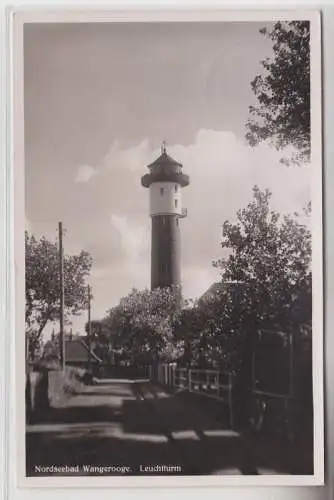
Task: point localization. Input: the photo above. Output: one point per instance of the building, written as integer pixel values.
(165, 181)
(219, 289)
(77, 352)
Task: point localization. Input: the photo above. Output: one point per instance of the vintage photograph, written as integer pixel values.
(169, 173)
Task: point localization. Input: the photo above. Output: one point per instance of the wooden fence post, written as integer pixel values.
(189, 380)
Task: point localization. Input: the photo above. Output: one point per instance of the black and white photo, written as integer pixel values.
(170, 281)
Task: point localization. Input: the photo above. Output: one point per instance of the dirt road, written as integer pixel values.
(133, 427)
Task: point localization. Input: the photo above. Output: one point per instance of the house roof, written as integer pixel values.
(76, 350)
(217, 288)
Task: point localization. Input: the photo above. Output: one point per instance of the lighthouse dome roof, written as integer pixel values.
(166, 162)
(163, 169)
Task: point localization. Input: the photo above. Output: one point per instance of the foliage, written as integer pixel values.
(51, 348)
(208, 331)
(34, 345)
(96, 328)
(271, 260)
(141, 326)
(43, 283)
(282, 114)
(100, 339)
(266, 284)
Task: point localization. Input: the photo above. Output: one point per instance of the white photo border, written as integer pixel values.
(17, 20)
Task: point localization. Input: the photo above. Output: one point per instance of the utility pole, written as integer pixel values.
(61, 317)
(89, 328)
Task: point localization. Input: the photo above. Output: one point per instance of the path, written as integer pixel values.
(134, 427)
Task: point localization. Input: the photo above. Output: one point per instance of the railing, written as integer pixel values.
(210, 383)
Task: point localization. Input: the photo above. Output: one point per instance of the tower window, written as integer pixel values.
(162, 191)
(176, 203)
(175, 187)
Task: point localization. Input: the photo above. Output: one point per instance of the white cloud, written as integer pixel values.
(133, 158)
(222, 170)
(134, 238)
(118, 279)
(195, 281)
(85, 173)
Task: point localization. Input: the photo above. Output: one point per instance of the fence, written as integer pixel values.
(209, 383)
(281, 384)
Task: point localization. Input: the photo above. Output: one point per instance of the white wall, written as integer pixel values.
(165, 198)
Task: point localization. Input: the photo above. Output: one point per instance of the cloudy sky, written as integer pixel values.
(99, 100)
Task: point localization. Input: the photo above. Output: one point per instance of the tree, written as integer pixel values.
(96, 328)
(266, 285)
(141, 325)
(270, 258)
(282, 114)
(269, 263)
(100, 338)
(208, 331)
(43, 284)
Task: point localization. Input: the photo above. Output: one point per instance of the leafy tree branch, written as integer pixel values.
(282, 113)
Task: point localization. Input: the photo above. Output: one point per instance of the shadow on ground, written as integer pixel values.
(143, 426)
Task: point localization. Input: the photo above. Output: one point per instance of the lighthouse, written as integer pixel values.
(165, 181)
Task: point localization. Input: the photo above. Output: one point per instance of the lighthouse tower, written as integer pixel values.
(165, 181)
